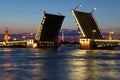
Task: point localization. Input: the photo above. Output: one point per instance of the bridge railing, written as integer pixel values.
(105, 40)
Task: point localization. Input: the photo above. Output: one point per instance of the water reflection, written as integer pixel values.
(77, 66)
(91, 68)
(68, 64)
(6, 66)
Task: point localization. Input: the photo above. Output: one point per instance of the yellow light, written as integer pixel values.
(94, 30)
(34, 45)
(78, 23)
(14, 39)
(31, 33)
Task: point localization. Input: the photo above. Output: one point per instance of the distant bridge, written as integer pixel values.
(14, 44)
(46, 36)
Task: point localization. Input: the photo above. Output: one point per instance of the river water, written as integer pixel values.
(65, 63)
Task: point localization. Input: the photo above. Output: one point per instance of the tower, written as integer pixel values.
(6, 35)
(110, 35)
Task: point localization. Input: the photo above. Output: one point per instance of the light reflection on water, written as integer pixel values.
(66, 63)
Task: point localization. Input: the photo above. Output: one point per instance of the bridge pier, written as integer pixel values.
(98, 44)
(86, 43)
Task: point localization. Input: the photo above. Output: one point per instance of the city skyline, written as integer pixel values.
(25, 15)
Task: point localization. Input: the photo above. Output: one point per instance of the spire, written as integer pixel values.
(110, 34)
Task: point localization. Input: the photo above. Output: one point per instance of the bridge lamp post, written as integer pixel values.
(94, 9)
(78, 6)
(43, 11)
(59, 13)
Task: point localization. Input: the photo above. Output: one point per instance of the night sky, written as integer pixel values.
(25, 15)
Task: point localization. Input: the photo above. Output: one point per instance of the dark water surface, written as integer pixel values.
(66, 63)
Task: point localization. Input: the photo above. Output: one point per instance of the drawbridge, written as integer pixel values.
(92, 37)
(87, 25)
(46, 36)
(48, 31)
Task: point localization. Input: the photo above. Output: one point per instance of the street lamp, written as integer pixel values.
(94, 9)
(43, 11)
(59, 13)
(78, 6)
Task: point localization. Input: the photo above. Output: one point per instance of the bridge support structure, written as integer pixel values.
(86, 43)
(106, 44)
(98, 44)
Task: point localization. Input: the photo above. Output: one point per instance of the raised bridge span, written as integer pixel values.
(48, 31)
(92, 37)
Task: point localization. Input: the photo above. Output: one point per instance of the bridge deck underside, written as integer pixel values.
(87, 25)
(48, 31)
(49, 27)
